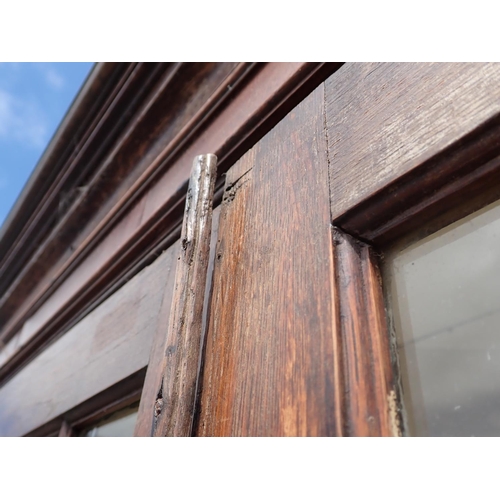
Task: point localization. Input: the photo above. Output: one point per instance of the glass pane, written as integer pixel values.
(445, 294)
(119, 424)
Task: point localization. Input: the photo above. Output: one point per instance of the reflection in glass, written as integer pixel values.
(445, 294)
(119, 424)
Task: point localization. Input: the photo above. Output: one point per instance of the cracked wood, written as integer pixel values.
(174, 407)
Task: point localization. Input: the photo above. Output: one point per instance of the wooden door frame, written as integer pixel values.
(450, 183)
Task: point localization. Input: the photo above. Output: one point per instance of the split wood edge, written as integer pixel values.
(176, 399)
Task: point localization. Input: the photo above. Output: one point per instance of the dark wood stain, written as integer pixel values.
(296, 336)
(456, 182)
(403, 138)
(269, 366)
(370, 402)
(163, 104)
(148, 208)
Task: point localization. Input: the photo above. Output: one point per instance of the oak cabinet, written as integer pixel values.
(324, 171)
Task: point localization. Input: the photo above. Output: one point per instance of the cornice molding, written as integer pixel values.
(139, 215)
(88, 185)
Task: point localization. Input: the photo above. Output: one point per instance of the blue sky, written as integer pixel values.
(34, 98)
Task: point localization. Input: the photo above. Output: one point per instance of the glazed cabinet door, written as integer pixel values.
(297, 342)
(299, 338)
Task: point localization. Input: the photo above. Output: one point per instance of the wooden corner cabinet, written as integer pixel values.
(345, 283)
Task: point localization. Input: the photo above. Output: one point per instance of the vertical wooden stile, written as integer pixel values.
(370, 405)
(269, 352)
(175, 401)
(154, 374)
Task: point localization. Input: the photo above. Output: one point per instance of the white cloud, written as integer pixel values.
(22, 121)
(52, 77)
(5, 112)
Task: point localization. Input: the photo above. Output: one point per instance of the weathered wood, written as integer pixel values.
(175, 402)
(150, 211)
(370, 403)
(269, 367)
(155, 110)
(154, 374)
(460, 180)
(106, 347)
(154, 377)
(392, 131)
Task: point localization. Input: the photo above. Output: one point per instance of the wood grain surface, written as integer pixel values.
(153, 112)
(386, 119)
(110, 344)
(154, 377)
(154, 374)
(370, 403)
(269, 367)
(148, 210)
(175, 401)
